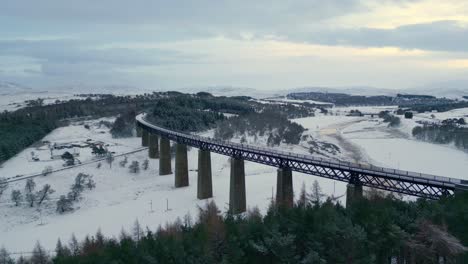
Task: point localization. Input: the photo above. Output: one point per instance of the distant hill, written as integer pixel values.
(7, 88)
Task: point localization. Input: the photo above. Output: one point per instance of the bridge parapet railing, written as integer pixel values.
(343, 165)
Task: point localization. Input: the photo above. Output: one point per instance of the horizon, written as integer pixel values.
(267, 46)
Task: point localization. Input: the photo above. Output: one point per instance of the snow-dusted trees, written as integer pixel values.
(16, 197)
(138, 232)
(134, 167)
(29, 189)
(74, 245)
(61, 250)
(64, 204)
(39, 255)
(44, 193)
(82, 181)
(145, 164)
(3, 185)
(109, 159)
(123, 162)
(5, 257)
(47, 170)
(316, 194)
(302, 201)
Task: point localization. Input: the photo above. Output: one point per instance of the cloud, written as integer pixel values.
(436, 36)
(74, 52)
(179, 12)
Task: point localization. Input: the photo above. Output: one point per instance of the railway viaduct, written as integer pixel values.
(157, 139)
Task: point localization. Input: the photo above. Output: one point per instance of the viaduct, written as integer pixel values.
(157, 139)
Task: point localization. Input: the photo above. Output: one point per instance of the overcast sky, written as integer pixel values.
(263, 44)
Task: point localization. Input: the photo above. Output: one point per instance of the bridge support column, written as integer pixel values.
(139, 131)
(145, 138)
(204, 187)
(237, 201)
(153, 151)
(181, 166)
(284, 188)
(353, 190)
(165, 157)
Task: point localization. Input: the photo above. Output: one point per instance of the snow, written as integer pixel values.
(121, 197)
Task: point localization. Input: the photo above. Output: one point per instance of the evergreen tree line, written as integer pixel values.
(377, 229)
(439, 107)
(269, 123)
(23, 127)
(196, 112)
(443, 134)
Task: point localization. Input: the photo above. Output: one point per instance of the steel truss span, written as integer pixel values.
(404, 182)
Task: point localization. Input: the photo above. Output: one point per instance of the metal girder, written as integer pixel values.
(378, 178)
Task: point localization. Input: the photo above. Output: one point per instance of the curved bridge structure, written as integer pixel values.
(357, 175)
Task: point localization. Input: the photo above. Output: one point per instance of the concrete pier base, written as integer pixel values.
(237, 200)
(284, 188)
(145, 138)
(353, 193)
(204, 185)
(153, 151)
(181, 166)
(165, 157)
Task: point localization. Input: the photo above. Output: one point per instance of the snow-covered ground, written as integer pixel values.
(121, 197)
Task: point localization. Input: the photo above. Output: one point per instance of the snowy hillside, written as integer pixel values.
(121, 197)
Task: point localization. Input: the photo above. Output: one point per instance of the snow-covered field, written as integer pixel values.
(121, 197)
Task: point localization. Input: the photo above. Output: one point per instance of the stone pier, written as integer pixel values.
(237, 201)
(284, 188)
(165, 157)
(145, 138)
(153, 151)
(204, 185)
(353, 193)
(181, 166)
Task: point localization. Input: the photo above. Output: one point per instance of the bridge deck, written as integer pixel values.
(406, 182)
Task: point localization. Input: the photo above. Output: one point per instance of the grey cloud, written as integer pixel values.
(208, 14)
(437, 36)
(72, 52)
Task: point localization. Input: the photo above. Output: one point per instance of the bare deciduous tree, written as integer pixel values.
(16, 197)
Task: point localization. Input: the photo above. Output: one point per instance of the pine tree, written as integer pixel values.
(64, 204)
(5, 257)
(134, 167)
(302, 201)
(316, 194)
(22, 260)
(39, 255)
(145, 164)
(61, 250)
(74, 246)
(100, 238)
(137, 231)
